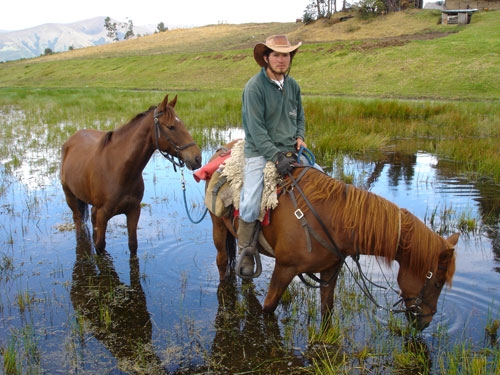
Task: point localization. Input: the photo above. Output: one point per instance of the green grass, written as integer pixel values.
(456, 66)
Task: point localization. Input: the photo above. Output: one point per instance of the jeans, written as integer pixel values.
(253, 186)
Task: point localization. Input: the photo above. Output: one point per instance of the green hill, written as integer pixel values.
(400, 55)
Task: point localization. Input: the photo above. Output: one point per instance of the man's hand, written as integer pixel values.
(300, 143)
(285, 162)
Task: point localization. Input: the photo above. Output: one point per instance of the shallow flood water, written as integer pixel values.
(65, 311)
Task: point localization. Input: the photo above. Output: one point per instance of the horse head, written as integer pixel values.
(420, 290)
(172, 138)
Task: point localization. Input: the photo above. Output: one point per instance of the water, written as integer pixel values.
(67, 312)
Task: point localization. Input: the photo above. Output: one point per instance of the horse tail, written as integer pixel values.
(231, 249)
(84, 209)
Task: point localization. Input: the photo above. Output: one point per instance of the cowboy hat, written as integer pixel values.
(278, 43)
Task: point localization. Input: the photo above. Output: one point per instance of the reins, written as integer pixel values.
(415, 309)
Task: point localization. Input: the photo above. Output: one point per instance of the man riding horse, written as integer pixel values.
(274, 126)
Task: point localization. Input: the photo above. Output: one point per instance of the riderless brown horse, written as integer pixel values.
(320, 221)
(104, 169)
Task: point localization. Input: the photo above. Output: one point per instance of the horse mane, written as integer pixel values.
(126, 127)
(377, 226)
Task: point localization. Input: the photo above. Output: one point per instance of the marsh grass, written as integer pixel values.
(466, 133)
(6, 267)
(22, 354)
(11, 365)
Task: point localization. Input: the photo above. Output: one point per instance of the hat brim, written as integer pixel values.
(261, 48)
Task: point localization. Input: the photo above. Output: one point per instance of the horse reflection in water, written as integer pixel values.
(246, 339)
(116, 313)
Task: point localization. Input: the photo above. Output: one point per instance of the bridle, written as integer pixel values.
(160, 132)
(415, 310)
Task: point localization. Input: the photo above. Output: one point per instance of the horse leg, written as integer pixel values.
(327, 291)
(219, 234)
(99, 225)
(132, 221)
(79, 209)
(280, 279)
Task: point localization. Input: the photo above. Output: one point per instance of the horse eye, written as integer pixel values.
(438, 285)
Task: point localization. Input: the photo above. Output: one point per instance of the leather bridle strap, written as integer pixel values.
(160, 132)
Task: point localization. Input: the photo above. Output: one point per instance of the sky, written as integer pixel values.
(19, 15)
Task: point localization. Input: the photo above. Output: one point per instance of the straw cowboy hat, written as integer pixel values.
(278, 43)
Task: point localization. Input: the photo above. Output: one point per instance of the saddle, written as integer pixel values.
(222, 196)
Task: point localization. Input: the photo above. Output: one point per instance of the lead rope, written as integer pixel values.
(183, 184)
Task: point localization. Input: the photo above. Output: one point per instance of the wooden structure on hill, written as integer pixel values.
(473, 4)
(457, 16)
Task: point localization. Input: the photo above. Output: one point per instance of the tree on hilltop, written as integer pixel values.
(130, 30)
(161, 28)
(112, 29)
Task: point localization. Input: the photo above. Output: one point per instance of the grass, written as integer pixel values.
(331, 61)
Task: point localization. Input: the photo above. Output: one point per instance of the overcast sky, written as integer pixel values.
(18, 15)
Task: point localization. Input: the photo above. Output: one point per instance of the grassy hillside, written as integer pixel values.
(401, 55)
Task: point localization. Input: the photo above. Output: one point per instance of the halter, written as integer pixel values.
(415, 310)
(158, 132)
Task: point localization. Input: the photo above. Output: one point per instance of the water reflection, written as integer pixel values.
(401, 167)
(245, 338)
(115, 312)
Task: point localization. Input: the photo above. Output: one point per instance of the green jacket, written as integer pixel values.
(272, 118)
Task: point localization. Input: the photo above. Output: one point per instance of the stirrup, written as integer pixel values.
(250, 252)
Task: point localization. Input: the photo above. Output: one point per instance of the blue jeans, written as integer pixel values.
(253, 186)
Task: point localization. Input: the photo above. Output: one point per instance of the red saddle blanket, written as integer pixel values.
(205, 172)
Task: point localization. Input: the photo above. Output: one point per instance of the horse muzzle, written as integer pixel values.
(191, 157)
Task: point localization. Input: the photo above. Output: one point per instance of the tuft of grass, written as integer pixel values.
(24, 300)
(11, 366)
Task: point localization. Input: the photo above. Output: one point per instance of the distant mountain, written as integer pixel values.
(33, 42)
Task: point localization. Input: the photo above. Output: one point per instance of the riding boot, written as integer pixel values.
(246, 233)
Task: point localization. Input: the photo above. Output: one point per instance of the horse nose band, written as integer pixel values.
(416, 309)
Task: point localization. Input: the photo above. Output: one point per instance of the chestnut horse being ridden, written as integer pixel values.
(320, 221)
(104, 169)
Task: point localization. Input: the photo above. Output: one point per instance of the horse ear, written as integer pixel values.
(453, 239)
(172, 103)
(163, 104)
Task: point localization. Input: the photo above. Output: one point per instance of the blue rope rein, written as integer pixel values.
(183, 184)
(303, 151)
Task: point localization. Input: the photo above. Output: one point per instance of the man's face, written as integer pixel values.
(278, 62)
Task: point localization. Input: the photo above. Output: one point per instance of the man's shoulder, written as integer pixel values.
(292, 81)
(256, 79)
